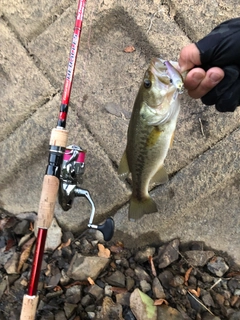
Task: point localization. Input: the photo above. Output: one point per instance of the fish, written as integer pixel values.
(150, 134)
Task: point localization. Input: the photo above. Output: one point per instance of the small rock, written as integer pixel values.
(116, 279)
(142, 274)
(130, 272)
(96, 291)
(6, 255)
(60, 316)
(234, 300)
(69, 309)
(22, 228)
(108, 290)
(3, 285)
(123, 298)
(165, 278)
(129, 283)
(86, 300)
(111, 310)
(168, 253)
(208, 316)
(90, 308)
(218, 298)
(177, 281)
(217, 266)
(73, 294)
(145, 286)
(235, 316)
(11, 265)
(168, 313)
(143, 254)
(208, 300)
(198, 258)
(91, 315)
(207, 278)
(82, 267)
(237, 292)
(54, 236)
(64, 278)
(142, 306)
(158, 292)
(234, 284)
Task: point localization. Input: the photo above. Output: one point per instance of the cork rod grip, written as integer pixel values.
(59, 137)
(29, 307)
(47, 201)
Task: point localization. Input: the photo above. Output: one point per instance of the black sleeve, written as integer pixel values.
(221, 48)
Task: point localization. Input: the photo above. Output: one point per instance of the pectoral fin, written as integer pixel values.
(123, 169)
(160, 176)
(172, 138)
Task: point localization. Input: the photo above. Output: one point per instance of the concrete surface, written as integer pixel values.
(201, 200)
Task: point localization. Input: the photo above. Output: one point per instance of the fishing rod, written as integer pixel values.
(62, 178)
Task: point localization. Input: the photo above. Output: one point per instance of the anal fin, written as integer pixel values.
(160, 176)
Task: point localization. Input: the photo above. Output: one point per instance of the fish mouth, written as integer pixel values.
(159, 70)
(165, 109)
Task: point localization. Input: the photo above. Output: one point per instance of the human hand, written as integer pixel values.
(214, 66)
(198, 82)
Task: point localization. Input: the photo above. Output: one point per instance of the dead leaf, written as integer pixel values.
(187, 275)
(10, 243)
(116, 249)
(152, 266)
(48, 271)
(7, 223)
(66, 244)
(195, 292)
(57, 288)
(76, 283)
(31, 226)
(103, 252)
(129, 49)
(118, 289)
(26, 250)
(159, 302)
(91, 281)
(233, 274)
(113, 265)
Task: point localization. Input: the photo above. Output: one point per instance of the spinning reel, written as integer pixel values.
(71, 176)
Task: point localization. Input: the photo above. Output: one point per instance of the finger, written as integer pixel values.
(193, 78)
(189, 57)
(212, 78)
(226, 90)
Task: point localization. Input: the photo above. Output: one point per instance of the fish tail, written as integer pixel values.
(137, 208)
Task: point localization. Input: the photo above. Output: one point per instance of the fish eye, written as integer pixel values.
(147, 83)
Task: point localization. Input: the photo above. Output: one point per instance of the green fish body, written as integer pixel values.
(150, 135)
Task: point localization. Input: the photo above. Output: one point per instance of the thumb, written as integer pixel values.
(189, 57)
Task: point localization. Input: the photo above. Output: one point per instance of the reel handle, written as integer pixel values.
(107, 229)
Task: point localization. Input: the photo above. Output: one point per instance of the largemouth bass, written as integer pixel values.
(150, 134)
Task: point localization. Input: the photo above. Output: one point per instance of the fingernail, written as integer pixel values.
(215, 77)
(198, 76)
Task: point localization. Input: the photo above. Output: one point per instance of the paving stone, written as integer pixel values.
(23, 87)
(30, 18)
(200, 202)
(199, 17)
(30, 167)
(116, 74)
